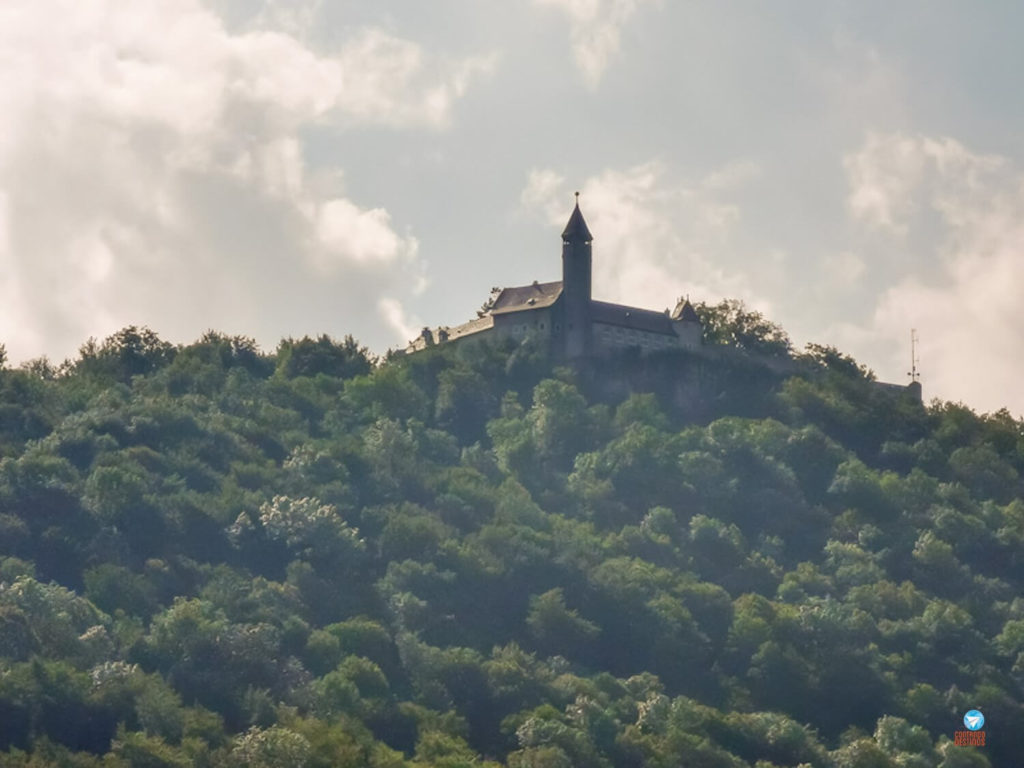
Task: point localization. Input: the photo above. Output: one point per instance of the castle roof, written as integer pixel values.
(523, 297)
(631, 317)
(684, 311)
(473, 326)
(476, 325)
(576, 230)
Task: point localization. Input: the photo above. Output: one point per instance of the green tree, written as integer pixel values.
(323, 355)
(275, 747)
(138, 749)
(820, 357)
(731, 322)
(556, 627)
(130, 352)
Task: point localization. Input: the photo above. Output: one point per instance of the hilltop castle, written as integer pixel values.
(575, 326)
(565, 314)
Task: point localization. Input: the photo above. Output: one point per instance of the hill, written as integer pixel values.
(214, 556)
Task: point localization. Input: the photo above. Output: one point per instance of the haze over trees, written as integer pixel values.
(215, 556)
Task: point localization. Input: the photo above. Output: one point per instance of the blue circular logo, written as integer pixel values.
(974, 720)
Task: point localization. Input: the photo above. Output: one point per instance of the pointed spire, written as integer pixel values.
(576, 230)
(685, 312)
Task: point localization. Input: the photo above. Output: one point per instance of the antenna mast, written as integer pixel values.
(914, 374)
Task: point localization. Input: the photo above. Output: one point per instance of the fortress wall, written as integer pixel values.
(519, 325)
(608, 338)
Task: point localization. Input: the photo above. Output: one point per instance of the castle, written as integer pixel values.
(565, 315)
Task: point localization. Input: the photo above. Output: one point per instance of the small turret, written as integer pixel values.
(686, 323)
(685, 312)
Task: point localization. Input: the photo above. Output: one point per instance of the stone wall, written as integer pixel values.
(608, 338)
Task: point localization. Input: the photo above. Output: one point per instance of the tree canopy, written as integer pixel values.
(217, 556)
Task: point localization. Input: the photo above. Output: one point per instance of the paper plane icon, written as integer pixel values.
(972, 722)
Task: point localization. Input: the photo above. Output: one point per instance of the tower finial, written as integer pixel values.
(576, 229)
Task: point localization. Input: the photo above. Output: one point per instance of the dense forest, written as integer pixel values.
(212, 555)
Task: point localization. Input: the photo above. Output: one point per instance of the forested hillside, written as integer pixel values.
(215, 556)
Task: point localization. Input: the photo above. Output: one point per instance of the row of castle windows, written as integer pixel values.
(613, 334)
(522, 328)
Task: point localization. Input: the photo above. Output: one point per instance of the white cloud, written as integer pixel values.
(405, 328)
(359, 235)
(544, 188)
(152, 169)
(382, 79)
(968, 308)
(595, 30)
(653, 240)
(888, 172)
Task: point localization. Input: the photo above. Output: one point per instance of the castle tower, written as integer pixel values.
(686, 324)
(576, 283)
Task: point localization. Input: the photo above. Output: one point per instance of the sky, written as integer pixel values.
(279, 168)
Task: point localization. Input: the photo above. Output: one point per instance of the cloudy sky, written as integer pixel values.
(287, 167)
